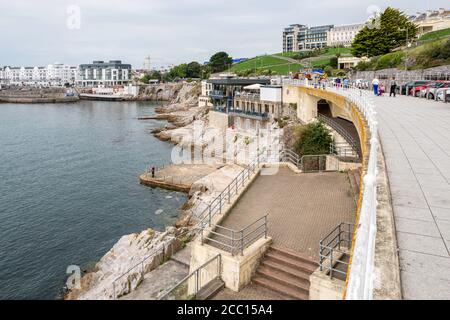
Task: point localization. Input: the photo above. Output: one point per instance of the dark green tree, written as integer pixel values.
(384, 33)
(194, 70)
(314, 139)
(220, 61)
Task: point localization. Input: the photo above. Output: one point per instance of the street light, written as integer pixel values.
(407, 46)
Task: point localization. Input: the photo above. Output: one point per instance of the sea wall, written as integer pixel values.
(35, 95)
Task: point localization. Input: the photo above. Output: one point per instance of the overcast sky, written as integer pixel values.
(170, 31)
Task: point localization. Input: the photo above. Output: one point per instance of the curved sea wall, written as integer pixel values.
(35, 95)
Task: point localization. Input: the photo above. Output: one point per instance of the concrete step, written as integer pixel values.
(280, 289)
(293, 255)
(284, 279)
(296, 273)
(290, 262)
(211, 289)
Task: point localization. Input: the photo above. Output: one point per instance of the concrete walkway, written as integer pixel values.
(415, 134)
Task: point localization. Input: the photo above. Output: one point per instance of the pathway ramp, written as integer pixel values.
(415, 135)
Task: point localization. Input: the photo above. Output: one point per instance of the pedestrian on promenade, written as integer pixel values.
(393, 87)
(345, 83)
(375, 85)
(153, 172)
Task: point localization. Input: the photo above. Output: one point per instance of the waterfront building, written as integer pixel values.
(431, 20)
(343, 36)
(53, 74)
(299, 37)
(204, 100)
(103, 73)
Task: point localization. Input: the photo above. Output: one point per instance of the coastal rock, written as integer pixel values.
(122, 269)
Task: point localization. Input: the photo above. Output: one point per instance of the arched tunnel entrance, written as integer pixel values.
(345, 128)
(323, 108)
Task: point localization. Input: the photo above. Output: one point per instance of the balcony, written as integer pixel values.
(216, 94)
(247, 96)
(249, 114)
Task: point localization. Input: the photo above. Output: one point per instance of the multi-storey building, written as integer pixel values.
(299, 37)
(109, 73)
(343, 35)
(53, 74)
(431, 20)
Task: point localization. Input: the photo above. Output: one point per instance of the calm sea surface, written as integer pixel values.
(69, 189)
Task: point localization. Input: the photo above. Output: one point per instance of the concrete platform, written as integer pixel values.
(415, 135)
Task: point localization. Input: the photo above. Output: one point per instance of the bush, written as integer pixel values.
(314, 139)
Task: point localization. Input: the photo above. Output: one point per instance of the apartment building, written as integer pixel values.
(53, 74)
(343, 36)
(110, 73)
(299, 37)
(431, 20)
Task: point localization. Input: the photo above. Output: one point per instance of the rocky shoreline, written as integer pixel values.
(107, 280)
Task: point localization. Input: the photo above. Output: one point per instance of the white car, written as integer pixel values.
(441, 93)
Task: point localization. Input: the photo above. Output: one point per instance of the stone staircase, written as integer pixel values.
(286, 273)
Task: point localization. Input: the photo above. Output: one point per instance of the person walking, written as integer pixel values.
(393, 85)
(153, 172)
(375, 85)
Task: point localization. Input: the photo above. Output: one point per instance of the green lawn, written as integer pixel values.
(435, 35)
(269, 62)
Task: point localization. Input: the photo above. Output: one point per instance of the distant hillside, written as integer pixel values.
(283, 63)
(426, 54)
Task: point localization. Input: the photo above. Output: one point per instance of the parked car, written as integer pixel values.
(432, 88)
(443, 94)
(415, 91)
(412, 84)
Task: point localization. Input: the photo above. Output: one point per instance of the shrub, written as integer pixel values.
(314, 139)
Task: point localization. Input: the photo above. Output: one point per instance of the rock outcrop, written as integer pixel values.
(122, 269)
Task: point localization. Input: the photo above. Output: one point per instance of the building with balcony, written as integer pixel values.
(431, 20)
(299, 37)
(110, 73)
(53, 74)
(343, 35)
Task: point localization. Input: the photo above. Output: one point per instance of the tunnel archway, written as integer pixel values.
(323, 108)
(159, 94)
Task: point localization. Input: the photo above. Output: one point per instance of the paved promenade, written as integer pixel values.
(415, 134)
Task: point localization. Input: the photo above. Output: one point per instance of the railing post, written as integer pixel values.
(242, 242)
(114, 290)
(229, 194)
(331, 263)
(232, 242)
(265, 227)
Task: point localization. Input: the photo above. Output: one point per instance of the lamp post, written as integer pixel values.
(407, 46)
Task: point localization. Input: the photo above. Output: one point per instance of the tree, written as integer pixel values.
(386, 32)
(314, 139)
(220, 61)
(194, 70)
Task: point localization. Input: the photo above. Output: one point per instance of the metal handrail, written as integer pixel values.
(331, 245)
(340, 130)
(239, 238)
(197, 275)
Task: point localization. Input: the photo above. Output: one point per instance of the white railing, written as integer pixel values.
(361, 276)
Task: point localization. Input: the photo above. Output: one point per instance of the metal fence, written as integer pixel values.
(188, 288)
(236, 241)
(334, 247)
(140, 268)
(361, 273)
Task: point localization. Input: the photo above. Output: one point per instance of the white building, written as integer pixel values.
(431, 20)
(53, 74)
(147, 64)
(343, 35)
(102, 73)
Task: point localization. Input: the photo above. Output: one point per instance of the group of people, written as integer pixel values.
(379, 89)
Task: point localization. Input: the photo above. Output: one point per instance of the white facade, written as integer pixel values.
(54, 74)
(343, 35)
(271, 93)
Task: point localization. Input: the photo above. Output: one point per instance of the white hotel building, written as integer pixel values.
(343, 36)
(53, 74)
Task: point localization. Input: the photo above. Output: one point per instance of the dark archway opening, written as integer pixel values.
(323, 108)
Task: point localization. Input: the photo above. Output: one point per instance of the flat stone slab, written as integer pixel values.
(415, 138)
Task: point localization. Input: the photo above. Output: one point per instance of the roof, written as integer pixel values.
(238, 82)
(255, 86)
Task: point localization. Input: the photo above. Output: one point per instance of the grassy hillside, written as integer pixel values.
(265, 65)
(283, 63)
(435, 35)
(431, 54)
